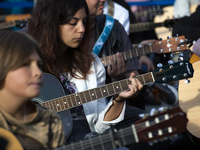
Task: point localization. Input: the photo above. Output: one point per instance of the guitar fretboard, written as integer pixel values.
(8, 24)
(73, 100)
(128, 54)
(138, 27)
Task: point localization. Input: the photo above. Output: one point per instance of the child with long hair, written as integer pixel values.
(21, 78)
(62, 28)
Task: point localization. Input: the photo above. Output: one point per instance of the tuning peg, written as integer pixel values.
(164, 55)
(180, 54)
(160, 39)
(159, 65)
(168, 37)
(172, 55)
(180, 59)
(170, 62)
(187, 81)
(177, 35)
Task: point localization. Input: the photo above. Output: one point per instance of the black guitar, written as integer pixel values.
(52, 94)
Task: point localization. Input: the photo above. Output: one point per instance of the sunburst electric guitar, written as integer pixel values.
(52, 94)
(161, 125)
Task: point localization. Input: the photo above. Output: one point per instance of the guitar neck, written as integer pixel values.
(107, 141)
(139, 27)
(129, 54)
(77, 99)
(8, 24)
(2, 18)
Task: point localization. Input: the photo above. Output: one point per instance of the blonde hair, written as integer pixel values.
(15, 47)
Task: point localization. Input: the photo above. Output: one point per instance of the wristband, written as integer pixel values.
(118, 101)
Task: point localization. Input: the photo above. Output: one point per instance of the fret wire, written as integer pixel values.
(151, 48)
(120, 86)
(71, 101)
(101, 93)
(105, 61)
(63, 103)
(143, 50)
(113, 88)
(89, 95)
(107, 90)
(115, 58)
(131, 54)
(143, 80)
(75, 95)
(84, 96)
(109, 60)
(52, 104)
(95, 93)
(59, 104)
(122, 136)
(125, 56)
(67, 102)
(80, 99)
(91, 143)
(102, 145)
(136, 52)
(55, 104)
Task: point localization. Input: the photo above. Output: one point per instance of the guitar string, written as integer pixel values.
(104, 137)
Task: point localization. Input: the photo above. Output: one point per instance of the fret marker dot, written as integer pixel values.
(65, 103)
(76, 94)
(79, 103)
(104, 90)
(57, 104)
(92, 94)
(117, 87)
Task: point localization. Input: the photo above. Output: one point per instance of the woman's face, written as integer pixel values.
(96, 7)
(72, 33)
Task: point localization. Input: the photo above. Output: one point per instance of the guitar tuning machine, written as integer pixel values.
(168, 37)
(180, 59)
(159, 65)
(172, 55)
(170, 62)
(187, 81)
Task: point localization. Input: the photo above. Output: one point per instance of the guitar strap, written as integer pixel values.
(110, 8)
(104, 35)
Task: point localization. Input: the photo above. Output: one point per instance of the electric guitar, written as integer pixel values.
(14, 23)
(189, 98)
(161, 125)
(13, 17)
(159, 47)
(52, 94)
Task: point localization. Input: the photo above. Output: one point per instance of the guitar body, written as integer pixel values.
(163, 32)
(189, 100)
(52, 89)
(8, 141)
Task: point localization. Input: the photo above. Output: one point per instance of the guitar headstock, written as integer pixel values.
(163, 124)
(169, 45)
(21, 23)
(170, 22)
(176, 71)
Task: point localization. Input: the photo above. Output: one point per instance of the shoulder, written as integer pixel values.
(47, 113)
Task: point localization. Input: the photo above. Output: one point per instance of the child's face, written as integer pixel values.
(72, 32)
(27, 80)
